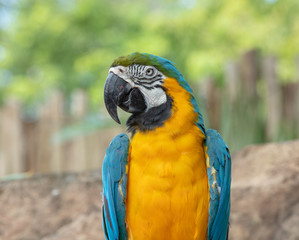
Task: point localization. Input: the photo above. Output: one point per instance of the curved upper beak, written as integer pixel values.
(114, 91)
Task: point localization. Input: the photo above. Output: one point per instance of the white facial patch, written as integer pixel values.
(153, 97)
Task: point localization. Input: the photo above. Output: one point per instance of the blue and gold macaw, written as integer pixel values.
(171, 179)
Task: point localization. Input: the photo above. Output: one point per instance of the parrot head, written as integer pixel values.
(136, 84)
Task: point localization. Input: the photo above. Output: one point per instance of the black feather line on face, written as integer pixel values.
(154, 117)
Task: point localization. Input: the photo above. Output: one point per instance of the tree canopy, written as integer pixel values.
(71, 44)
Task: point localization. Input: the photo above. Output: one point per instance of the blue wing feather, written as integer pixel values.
(219, 174)
(114, 174)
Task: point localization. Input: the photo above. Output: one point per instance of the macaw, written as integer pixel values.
(171, 179)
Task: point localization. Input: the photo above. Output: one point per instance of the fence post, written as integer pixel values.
(50, 122)
(296, 100)
(233, 81)
(11, 136)
(77, 160)
(30, 144)
(250, 74)
(213, 98)
(273, 100)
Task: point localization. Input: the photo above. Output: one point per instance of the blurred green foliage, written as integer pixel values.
(71, 44)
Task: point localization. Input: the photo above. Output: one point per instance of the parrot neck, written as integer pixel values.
(153, 118)
(184, 115)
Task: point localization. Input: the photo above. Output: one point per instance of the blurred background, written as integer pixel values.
(240, 57)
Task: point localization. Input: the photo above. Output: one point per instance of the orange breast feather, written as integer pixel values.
(167, 194)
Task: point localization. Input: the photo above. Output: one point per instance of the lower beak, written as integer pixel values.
(117, 92)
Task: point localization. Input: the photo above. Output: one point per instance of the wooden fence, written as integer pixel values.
(28, 146)
(253, 105)
(250, 106)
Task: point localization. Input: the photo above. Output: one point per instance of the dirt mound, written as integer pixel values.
(265, 200)
(265, 192)
(66, 207)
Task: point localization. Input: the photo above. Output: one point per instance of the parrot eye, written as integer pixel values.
(150, 72)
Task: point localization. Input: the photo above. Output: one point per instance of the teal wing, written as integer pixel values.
(114, 174)
(219, 174)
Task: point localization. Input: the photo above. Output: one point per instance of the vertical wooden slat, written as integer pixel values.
(43, 144)
(213, 98)
(56, 114)
(289, 110)
(250, 74)
(50, 122)
(273, 100)
(77, 160)
(289, 97)
(2, 155)
(296, 104)
(233, 81)
(11, 136)
(2, 159)
(30, 143)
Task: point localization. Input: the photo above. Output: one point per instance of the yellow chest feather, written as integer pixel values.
(167, 194)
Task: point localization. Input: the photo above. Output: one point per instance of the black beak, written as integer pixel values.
(117, 92)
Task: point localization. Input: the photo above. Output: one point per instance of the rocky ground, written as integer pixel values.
(265, 200)
(265, 192)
